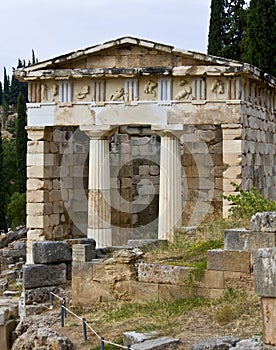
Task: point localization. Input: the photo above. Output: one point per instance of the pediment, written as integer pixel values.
(128, 53)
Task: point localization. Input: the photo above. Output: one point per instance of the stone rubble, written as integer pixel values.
(35, 332)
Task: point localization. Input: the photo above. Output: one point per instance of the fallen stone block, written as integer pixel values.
(39, 275)
(220, 343)
(51, 252)
(130, 338)
(154, 344)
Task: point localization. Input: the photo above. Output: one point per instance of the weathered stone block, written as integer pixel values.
(268, 306)
(210, 293)
(39, 275)
(237, 261)
(49, 252)
(236, 239)
(5, 334)
(158, 343)
(257, 240)
(263, 222)
(40, 295)
(155, 273)
(172, 292)
(264, 268)
(83, 252)
(238, 280)
(145, 291)
(212, 279)
(215, 259)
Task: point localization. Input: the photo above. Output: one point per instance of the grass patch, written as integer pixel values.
(156, 309)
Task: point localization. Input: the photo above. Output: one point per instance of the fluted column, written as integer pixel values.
(170, 201)
(99, 210)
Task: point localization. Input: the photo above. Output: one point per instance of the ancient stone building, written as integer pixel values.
(131, 138)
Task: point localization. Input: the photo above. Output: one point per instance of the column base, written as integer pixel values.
(102, 236)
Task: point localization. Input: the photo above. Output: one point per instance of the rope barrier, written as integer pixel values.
(63, 311)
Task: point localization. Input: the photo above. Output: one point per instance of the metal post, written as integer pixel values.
(84, 329)
(51, 300)
(102, 343)
(61, 315)
(64, 309)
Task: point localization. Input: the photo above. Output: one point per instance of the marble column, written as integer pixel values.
(170, 201)
(99, 209)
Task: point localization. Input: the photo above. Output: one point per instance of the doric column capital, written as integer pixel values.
(169, 130)
(39, 133)
(96, 132)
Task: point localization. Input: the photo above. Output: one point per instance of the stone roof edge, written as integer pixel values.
(245, 67)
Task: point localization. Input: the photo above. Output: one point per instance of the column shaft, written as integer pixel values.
(170, 202)
(99, 217)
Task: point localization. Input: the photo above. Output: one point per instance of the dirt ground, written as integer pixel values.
(199, 323)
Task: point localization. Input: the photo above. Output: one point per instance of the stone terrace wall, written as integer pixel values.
(126, 277)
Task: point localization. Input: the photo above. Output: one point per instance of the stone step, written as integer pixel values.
(156, 344)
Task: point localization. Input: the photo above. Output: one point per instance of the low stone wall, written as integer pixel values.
(126, 277)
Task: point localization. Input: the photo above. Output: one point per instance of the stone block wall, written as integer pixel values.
(56, 172)
(201, 157)
(259, 149)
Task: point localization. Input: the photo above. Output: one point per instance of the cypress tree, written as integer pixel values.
(216, 28)
(3, 222)
(21, 144)
(1, 94)
(227, 27)
(234, 29)
(260, 40)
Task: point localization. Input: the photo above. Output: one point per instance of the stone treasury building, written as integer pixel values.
(132, 138)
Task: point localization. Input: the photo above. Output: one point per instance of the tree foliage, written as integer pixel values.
(216, 28)
(3, 222)
(21, 143)
(244, 33)
(259, 43)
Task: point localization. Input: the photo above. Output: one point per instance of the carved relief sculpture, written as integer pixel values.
(150, 88)
(83, 92)
(118, 95)
(55, 91)
(44, 92)
(185, 93)
(217, 87)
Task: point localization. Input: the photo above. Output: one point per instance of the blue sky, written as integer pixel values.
(55, 27)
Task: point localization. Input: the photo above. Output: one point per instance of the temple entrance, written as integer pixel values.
(134, 176)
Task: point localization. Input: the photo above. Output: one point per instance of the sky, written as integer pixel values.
(55, 27)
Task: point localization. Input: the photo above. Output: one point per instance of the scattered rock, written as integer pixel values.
(35, 332)
(11, 236)
(220, 343)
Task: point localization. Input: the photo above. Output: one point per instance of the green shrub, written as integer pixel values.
(248, 203)
(17, 209)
